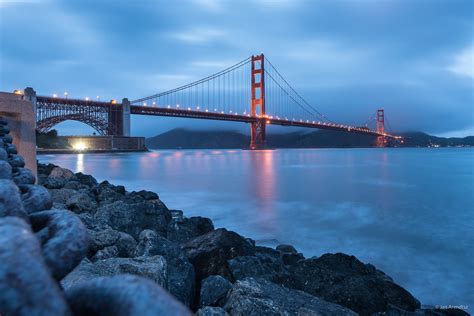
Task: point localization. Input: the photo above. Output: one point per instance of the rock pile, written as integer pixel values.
(71, 245)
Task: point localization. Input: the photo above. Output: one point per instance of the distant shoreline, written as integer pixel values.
(92, 151)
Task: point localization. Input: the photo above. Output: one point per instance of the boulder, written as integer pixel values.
(10, 200)
(153, 268)
(213, 290)
(132, 218)
(45, 169)
(211, 311)
(53, 182)
(183, 229)
(260, 297)
(86, 270)
(26, 285)
(180, 271)
(105, 253)
(35, 198)
(344, 280)
(5, 170)
(209, 252)
(61, 196)
(250, 266)
(58, 172)
(81, 202)
(65, 240)
(283, 248)
(126, 245)
(85, 179)
(3, 153)
(16, 161)
(107, 192)
(24, 176)
(124, 295)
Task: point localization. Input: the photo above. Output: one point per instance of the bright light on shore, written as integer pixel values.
(79, 146)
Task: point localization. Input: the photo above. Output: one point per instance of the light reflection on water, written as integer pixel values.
(408, 211)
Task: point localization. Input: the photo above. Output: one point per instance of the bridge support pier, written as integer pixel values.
(126, 117)
(257, 134)
(381, 140)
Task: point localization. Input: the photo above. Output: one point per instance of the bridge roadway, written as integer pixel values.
(270, 120)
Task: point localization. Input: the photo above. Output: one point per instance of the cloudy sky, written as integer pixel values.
(413, 58)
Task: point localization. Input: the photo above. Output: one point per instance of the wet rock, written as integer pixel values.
(260, 297)
(209, 253)
(85, 179)
(211, 311)
(24, 176)
(180, 271)
(184, 229)
(68, 240)
(81, 202)
(10, 200)
(58, 172)
(84, 271)
(132, 218)
(124, 295)
(35, 198)
(213, 290)
(26, 286)
(5, 170)
(153, 268)
(344, 280)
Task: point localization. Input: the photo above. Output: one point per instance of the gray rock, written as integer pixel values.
(85, 179)
(7, 139)
(283, 248)
(250, 266)
(291, 258)
(24, 176)
(209, 253)
(16, 161)
(344, 280)
(211, 311)
(68, 240)
(81, 202)
(126, 245)
(58, 172)
(124, 295)
(26, 286)
(105, 253)
(213, 290)
(11, 149)
(3, 154)
(10, 200)
(180, 271)
(86, 270)
(61, 196)
(184, 229)
(132, 218)
(35, 198)
(5, 170)
(153, 268)
(54, 182)
(260, 297)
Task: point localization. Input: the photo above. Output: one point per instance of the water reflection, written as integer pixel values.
(80, 163)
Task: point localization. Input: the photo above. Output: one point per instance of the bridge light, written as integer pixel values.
(268, 121)
(177, 105)
(154, 103)
(113, 101)
(144, 103)
(17, 92)
(66, 94)
(98, 98)
(189, 109)
(207, 110)
(169, 106)
(79, 146)
(197, 107)
(87, 98)
(55, 95)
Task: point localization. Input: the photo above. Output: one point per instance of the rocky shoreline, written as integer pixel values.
(72, 246)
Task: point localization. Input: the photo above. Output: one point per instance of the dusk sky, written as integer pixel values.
(413, 58)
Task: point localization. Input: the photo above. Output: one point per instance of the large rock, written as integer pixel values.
(153, 268)
(81, 202)
(10, 200)
(124, 295)
(211, 311)
(184, 229)
(26, 285)
(5, 170)
(344, 280)
(86, 270)
(85, 179)
(65, 241)
(180, 271)
(213, 290)
(209, 253)
(260, 297)
(58, 172)
(132, 218)
(107, 192)
(35, 198)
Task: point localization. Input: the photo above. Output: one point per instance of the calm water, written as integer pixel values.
(409, 212)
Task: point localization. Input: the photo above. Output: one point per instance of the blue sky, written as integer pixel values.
(413, 58)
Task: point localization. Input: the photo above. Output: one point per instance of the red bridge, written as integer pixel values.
(251, 91)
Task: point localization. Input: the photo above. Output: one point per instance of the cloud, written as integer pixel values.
(199, 35)
(463, 64)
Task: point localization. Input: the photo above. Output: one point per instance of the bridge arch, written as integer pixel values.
(98, 124)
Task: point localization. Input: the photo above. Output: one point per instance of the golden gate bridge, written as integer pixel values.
(252, 91)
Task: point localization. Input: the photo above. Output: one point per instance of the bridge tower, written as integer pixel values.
(381, 140)
(257, 102)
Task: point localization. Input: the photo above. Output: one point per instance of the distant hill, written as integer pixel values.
(191, 139)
